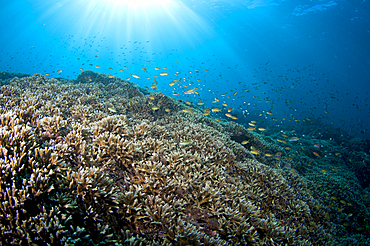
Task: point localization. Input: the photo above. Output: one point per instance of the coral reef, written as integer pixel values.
(98, 160)
(5, 76)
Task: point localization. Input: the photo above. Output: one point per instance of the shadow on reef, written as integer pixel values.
(98, 160)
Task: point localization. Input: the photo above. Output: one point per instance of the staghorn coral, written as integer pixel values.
(44, 200)
(86, 174)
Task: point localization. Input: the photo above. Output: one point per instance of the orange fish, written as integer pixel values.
(316, 154)
(59, 71)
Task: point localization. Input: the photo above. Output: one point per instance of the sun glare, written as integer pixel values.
(138, 3)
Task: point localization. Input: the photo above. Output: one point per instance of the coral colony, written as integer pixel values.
(99, 161)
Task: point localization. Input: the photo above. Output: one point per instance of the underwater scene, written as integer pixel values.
(185, 122)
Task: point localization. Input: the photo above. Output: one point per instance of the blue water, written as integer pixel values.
(311, 59)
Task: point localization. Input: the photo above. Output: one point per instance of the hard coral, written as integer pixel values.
(75, 172)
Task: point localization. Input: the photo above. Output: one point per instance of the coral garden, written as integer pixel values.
(99, 161)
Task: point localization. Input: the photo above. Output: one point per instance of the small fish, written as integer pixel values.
(187, 111)
(225, 104)
(190, 91)
(163, 74)
(251, 124)
(152, 97)
(188, 102)
(112, 110)
(293, 139)
(217, 119)
(262, 129)
(186, 142)
(81, 69)
(172, 84)
(97, 66)
(324, 170)
(244, 142)
(278, 154)
(155, 108)
(216, 110)
(317, 146)
(59, 71)
(136, 76)
(268, 155)
(167, 110)
(175, 93)
(281, 140)
(229, 115)
(255, 152)
(316, 154)
(111, 76)
(251, 128)
(230, 109)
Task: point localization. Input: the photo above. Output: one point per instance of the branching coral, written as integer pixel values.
(95, 164)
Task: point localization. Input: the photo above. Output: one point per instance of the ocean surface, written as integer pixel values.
(295, 75)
